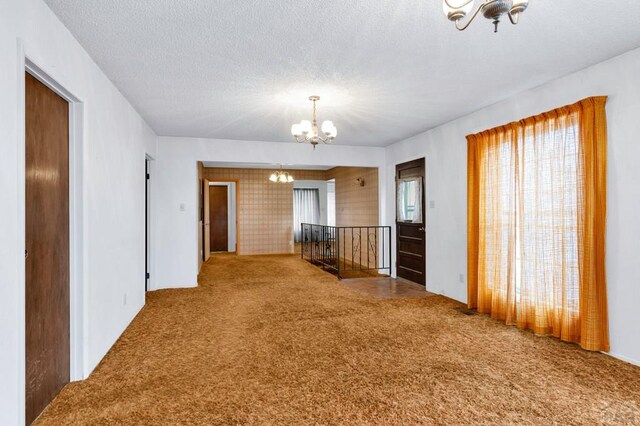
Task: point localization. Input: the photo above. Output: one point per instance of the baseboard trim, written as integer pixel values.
(623, 358)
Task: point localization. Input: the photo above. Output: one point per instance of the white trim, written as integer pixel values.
(623, 358)
(151, 252)
(21, 243)
(77, 254)
(232, 203)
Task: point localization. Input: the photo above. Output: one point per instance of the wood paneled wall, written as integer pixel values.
(265, 209)
(355, 205)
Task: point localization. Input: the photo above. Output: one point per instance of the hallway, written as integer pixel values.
(273, 340)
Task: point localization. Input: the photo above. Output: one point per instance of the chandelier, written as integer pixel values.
(307, 131)
(455, 10)
(280, 176)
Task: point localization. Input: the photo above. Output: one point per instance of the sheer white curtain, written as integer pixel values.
(306, 209)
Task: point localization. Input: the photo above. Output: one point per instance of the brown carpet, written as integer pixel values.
(273, 340)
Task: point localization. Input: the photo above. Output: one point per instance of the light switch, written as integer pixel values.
(432, 204)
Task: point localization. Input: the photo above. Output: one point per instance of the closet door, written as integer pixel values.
(219, 210)
(47, 246)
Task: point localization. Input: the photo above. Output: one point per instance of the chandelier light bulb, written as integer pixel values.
(327, 127)
(289, 178)
(273, 177)
(456, 9)
(519, 6)
(334, 132)
(305, 126)
(295, 130)
(282, 178)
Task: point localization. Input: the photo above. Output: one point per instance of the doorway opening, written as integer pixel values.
(223, 217)
(314, 202)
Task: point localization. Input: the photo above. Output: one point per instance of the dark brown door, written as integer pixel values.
(219, 218)
(47, 246)
(410, 236)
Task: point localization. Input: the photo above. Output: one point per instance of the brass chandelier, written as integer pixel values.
(455, 10)
(307, 131)
(281, 176)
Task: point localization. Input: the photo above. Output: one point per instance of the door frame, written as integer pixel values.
(206, 221)
(148, 217)
(77, 250)
(227, 187)
(215, 181)
(422, 162)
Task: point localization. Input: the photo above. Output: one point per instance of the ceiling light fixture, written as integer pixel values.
(280, 176)
(455, 10)
(307, 131)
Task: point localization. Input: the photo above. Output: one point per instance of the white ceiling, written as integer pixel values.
(386, 70)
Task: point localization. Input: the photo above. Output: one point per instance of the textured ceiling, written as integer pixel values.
(386, 70)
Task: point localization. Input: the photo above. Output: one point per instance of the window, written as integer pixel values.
(536, 206)
(409, 193)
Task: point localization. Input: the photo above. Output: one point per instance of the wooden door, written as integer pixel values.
(219, 218)
(410, 237)
(206, 220)
(47, 343)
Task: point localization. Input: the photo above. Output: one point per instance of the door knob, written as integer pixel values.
(421, 229)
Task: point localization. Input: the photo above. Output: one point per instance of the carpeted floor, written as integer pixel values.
(273, 340)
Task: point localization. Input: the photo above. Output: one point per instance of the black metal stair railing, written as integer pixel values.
(340, 249)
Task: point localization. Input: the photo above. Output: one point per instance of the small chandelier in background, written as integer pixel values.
(307, 131)
(280, 176)
(455, 10)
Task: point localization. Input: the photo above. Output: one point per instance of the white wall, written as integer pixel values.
(321, 186)
(444, 149)
(115, 140)
(177, 246)
(231, 212)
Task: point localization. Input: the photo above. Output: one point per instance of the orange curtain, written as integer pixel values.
(536, 223)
